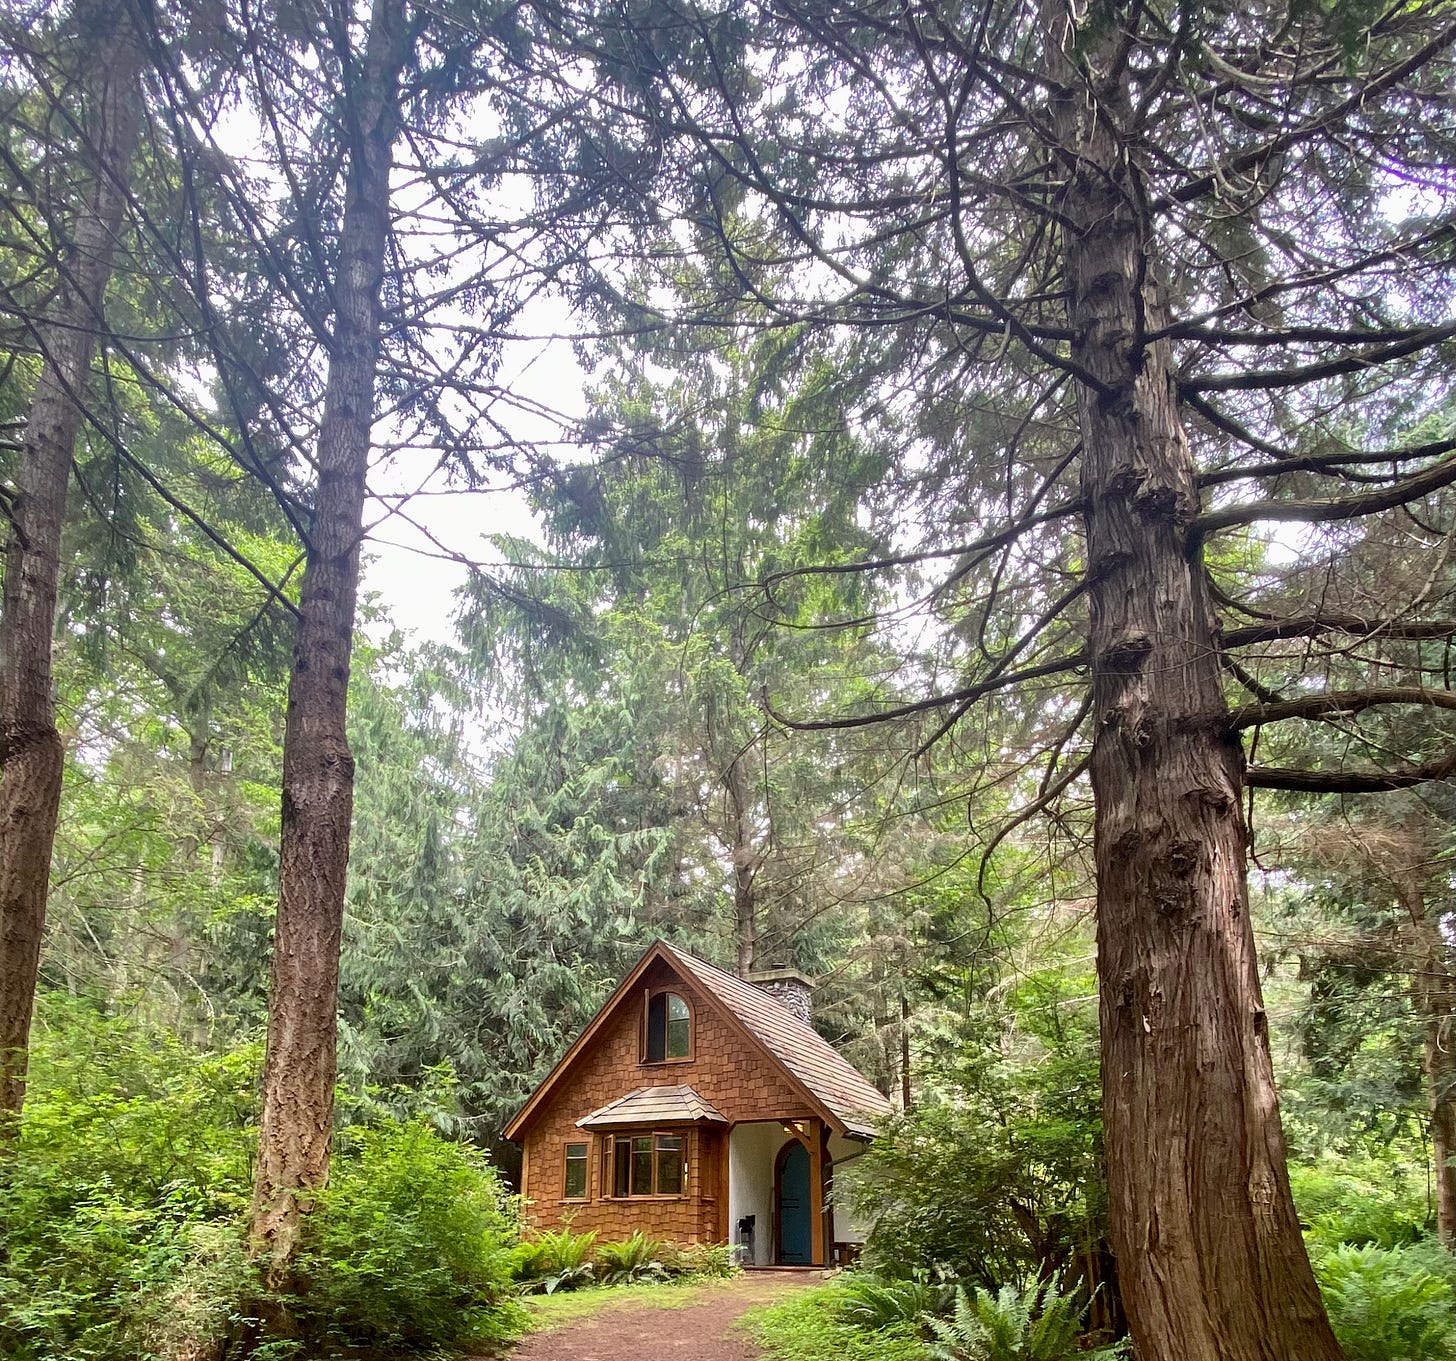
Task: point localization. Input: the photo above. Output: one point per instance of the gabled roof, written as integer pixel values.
(679, 1105)
(811, 1065)
(818, 1066)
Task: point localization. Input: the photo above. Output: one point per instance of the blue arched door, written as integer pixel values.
(796, 1239)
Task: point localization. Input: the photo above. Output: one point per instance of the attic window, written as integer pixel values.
(669, 1028)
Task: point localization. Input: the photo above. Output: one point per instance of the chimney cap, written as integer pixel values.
(780, 975)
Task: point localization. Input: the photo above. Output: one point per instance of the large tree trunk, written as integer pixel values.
(31, 753)
(1209, 1253)
(318, 769)
(1435, 1000)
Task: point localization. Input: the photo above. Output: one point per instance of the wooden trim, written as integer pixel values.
(585, 1196)
(818, 1215)
(724, 1167)
(643, 1040)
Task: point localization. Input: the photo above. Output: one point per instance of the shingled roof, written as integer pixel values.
(818, 1066)
(677, 1105)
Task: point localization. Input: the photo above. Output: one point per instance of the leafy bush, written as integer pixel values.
(1023, 1135)
(1033, 1323)
(870, 1301)
(1390, 1304)
(123, 1210)
(637, 1258)
(411, 1246)
(120, 1212)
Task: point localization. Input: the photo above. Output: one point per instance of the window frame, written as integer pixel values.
(586, 1162)
(667, 992)
(627, 1140)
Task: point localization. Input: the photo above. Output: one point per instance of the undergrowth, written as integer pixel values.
(809, 1325)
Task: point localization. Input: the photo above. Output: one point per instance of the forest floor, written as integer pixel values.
(659, 1323)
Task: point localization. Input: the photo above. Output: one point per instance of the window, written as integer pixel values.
(669, 1029)
(648, 1165)
(575, 1188)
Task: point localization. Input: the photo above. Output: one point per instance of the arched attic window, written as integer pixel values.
(669, 1028)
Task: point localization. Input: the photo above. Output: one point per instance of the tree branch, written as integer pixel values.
(1349, 782)
(1410, 488)
(1335, 704)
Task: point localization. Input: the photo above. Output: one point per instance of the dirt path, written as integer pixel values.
(699, 1329)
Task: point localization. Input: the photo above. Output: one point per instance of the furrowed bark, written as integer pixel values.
(31, 752)
(318, 768)
(1209, 1254)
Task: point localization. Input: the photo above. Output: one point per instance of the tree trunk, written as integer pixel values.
(905, 1092)
(1435, 999)
(1209, 1253)
(745, 868)
(318, 769)
(31, 752)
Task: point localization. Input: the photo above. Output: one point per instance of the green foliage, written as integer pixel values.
(808, 1325)
(1360, 1201)
(121, 1208)
(1390, 1304)
(122, 1214)
(1038, 1322)
(556, 1259)
(870, 1301)
(637, 1258)
(701, 1261)
(996, 1175)
(411, 1246)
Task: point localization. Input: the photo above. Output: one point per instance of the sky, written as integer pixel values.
(414, 583)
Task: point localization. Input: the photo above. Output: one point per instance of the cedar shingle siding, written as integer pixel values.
(749, 1059)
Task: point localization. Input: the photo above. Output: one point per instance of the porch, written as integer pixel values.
(780, 1202)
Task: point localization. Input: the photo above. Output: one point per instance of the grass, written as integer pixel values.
(549, 1312)
(804, 1327)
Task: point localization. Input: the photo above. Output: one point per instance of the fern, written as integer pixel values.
(1034, 1323)
(636, 1258)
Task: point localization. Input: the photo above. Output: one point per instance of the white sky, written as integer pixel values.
(414, 583)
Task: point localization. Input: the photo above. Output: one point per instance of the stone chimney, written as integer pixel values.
(788, 987)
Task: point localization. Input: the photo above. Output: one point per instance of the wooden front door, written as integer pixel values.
(795, 1216)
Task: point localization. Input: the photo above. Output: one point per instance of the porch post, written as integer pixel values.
(816, 1193)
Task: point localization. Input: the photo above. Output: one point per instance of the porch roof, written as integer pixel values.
(678, 1105)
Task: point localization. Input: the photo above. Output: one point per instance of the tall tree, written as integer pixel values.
(386, 131)
(318, 769)
(1122, 269)
(95, 46)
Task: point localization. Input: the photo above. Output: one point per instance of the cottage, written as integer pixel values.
(699, 1108)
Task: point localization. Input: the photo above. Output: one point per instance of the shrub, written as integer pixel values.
(1033, 1323)
(120, 1211)
(637, 1258)
(411, 1246)
(806, 1326)
(706, 1261)
(1390, 1304)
